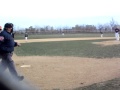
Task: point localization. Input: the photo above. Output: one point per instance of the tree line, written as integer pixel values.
(109, 27)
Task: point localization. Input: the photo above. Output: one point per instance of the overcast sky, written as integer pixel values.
(24, 13)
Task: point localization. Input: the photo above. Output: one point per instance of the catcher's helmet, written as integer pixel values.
(8, 25)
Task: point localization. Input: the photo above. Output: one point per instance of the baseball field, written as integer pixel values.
(70, 62)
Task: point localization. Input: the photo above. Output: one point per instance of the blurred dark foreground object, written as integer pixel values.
(3, 87)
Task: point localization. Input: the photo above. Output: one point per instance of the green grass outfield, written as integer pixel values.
(113, 84)
(83, 48)
(81, 35)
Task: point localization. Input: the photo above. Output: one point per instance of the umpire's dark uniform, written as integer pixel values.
(7, 45)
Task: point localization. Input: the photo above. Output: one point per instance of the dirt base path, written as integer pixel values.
(56, 72)
(67, 72)
(61, 39)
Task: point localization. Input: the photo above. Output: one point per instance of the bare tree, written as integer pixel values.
(113, 23)
(100, 28)
(107, 27)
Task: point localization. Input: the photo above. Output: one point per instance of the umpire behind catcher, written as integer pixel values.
(7, 45)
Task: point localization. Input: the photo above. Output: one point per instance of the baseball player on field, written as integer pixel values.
(117, 34)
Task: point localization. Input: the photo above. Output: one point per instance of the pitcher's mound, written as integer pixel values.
(107, 43)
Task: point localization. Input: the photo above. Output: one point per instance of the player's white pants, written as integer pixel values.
(101, 35)
(26, 38)
(117, 36)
